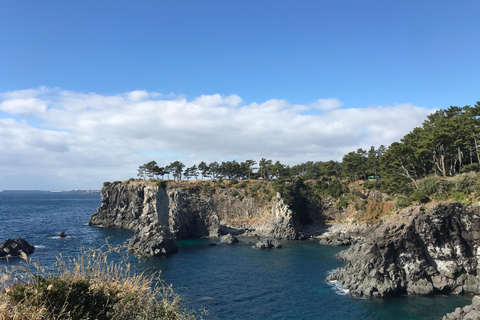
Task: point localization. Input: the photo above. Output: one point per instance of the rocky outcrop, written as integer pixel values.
(420, 251)
(153, 241)
(471, 312)
(183, 212)
(15, 247)
(228, 238)
(344, 234)
(268, 243)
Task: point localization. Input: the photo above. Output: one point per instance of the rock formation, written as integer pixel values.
(159, 215)
(228, 238)
(343, 234)
(268, 244)
(15, 247)
(470, 312)
(420, 251)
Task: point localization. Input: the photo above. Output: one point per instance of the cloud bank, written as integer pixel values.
(56, 139)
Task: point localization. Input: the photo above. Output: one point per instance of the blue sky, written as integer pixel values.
(236, 80)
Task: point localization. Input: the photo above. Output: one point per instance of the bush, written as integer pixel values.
(162, 184)
(419, 196)
(106, 184)
(433, 186)
(233, 182)
(86, 288)
(465, 182)
(401, 202)
(473, 167)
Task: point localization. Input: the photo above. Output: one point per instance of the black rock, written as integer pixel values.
(15, 247)
(62, 234)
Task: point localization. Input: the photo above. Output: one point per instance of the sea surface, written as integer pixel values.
(230, 281)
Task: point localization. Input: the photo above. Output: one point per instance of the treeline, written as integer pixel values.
(264, 169)
(447, 143)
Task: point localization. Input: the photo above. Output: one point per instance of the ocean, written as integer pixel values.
(230, 281)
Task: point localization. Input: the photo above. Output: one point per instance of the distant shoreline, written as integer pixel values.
(54, 191)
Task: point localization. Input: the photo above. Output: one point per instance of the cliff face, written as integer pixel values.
(185, 213)
(422, 251)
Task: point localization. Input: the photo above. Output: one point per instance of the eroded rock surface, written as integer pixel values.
(15, 247)
(183, 213)
(421, 251)
(470, 312)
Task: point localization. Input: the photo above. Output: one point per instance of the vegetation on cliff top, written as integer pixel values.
(426, 165)
(89, 287)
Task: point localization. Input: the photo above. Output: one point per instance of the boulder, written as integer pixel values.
(267, 244)
(62, 234)
(228, 238)
(15, 247)
(153, 241)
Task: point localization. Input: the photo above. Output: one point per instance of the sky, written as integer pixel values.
(90, 90)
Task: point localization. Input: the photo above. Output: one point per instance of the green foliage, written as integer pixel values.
(342, 203)
(106, 184)
(401, 202)
(419, 196)
(465, 183)
(471, 167)
(162, 184)
(433, 186)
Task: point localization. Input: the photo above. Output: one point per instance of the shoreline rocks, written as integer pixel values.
(228, 238)
(15, 247)
(344, 234)
(420, 251)
(268, 244)
(471, 311)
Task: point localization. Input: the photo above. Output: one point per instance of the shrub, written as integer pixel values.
(162, 184)
(419, 196)
(233, 182)
(401, 202)
(106, 184)
(433, 186)
(473, 167)
(86, 288)
(464, 182)
(242, 184)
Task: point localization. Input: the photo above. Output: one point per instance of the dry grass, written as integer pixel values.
(88, 287)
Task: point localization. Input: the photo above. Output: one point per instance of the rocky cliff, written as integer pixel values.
(181, 213)
(420, 251)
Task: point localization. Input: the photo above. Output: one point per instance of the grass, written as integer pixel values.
(88, 287)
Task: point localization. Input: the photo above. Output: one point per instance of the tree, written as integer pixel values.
(264, 166)
(142, 172)
(177, 169)
(249, 164)
(204, 169)
(354, 165)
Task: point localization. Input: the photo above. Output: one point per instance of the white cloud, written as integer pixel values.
(30, 106)
(87, 137)
(327, 104)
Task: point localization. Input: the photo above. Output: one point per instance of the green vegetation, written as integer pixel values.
(428, 164)
(85, 288)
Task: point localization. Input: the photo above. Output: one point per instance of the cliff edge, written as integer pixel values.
(420, 251)
(160, 215)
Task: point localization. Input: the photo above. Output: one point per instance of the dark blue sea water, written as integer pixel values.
(231, 281)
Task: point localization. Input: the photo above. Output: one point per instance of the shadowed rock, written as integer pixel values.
(15, 247)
